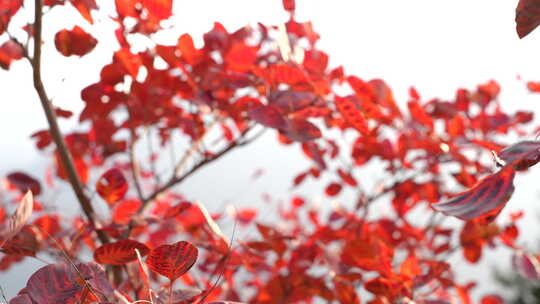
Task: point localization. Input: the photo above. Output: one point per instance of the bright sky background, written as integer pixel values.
(436, 45)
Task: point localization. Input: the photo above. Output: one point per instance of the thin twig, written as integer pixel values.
(135, 167)
(65, 155)
(175, 180)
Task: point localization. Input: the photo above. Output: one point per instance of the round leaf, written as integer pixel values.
(174, 260)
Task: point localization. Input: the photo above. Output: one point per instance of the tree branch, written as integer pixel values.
(65, 155)
(175, 180)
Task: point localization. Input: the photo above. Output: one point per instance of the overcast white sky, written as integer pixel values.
(435, 45)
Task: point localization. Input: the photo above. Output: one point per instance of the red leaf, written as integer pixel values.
(268, 116)
(418, 114)
(246, 215)
(491, 299)
(347, 178)
(125, 210)
(301, 130)
(21, 299)
(8, 8)
(241, 57)
(119, 253)
(291, 101)
(84, 7)
(19, 218)
(177, 209)
(187, 49)
(352, 114)
(129, 61)
(74, 42)
(112, 186)
(61, 283)
(172, 261)
(289, 5)
(126, 8)
(24, 182)
(333, 189)
(10, 51)
(526, 265)
(486, 199)
(158, 9)
(527, 16)
(80, 166)
(533, 86)
(521, 155)
(368, 254)
(185, 295)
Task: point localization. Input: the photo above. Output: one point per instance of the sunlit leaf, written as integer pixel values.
(84, 7)
(172, 261)
(112, 186)
(120, 252)
(74, 42)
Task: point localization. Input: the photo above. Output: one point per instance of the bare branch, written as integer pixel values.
(65, 155)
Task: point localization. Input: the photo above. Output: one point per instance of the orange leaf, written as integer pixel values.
(84, 7)
(74, 42)
(112, 186)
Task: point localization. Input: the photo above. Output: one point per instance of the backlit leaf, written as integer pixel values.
(158, 9)
(352, 114)
(84, 7)
(172, 261)
(8, 8)
(74, 42)
(487, 198)
(119, 253)
(112, 186)
(124, 210)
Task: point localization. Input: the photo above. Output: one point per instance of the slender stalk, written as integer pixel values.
(63, 151)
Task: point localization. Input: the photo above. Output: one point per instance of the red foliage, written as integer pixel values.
(385, 245)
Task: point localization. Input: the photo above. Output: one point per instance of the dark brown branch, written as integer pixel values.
(65, 155)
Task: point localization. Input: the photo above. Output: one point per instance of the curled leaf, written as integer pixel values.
(485, 199)
(24, 182)
(20, 217)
